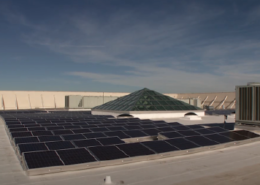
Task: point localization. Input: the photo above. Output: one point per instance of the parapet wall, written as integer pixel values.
(56, 99)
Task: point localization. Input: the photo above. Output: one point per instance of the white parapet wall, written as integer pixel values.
(11, 100)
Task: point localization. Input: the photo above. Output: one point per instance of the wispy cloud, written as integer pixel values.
(192, 50)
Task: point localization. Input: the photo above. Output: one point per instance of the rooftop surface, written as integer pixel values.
(234, 165)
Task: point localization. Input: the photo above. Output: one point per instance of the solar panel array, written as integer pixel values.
(64, 138)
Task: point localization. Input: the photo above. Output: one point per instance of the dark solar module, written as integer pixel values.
(119, 124)
(15, 126)
(188, 133)
(33, 126)
(134, 149)
(72, 127)
(43, 121)
(42, 133)
(86, 143)
(62, 132)
(182, 143)
(218, 129)
(166, 129)
(109, 122)
(18, 130)
(133, 124)
(105, 125)
(88, 126)
(144, 123)
(64, 124)
(119, 134)
(73, 137)
(161, 125)
(42, 159)
(246, 133)
(32, 147)
(36, 129)
(195, 127)
(21, 134)
(94, 135)
(94, 122)
(58, 145)
(79, 124)
(144, 120)
(174, 124)
(110, 141)
(147, 126)
(200, 140)
(13, 123)
(48, 125)
(159, 146)
(171, 134)
(133, 127)
(107, 152)
(28, 122)
(98, 129)
(181, 128)
(116, 128)
(20, 140)
(151, 132)
(218, 138)
(75, 156)
(80, 131)
(54, 128)
(205, 131)
(234, 136)
(135, 133)
(159, 121)
(49, 138)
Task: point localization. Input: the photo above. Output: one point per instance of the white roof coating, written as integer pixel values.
(234, 165)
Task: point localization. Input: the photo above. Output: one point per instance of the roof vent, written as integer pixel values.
(253, 83)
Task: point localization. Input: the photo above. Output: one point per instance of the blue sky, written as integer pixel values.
(170, 46)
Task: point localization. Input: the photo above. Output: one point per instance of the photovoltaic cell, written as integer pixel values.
(116, 128)
(58, 145)
(119, 134)
(135, 133)
(195, 127)
(80, 131)
(188, 133)
(18, 130)
(99, 129)
(42, 133)
(86, 143)
(55, 128)
(42, 159)
(20, 140)
(218, 138)
(135, 149)
(166, 129)
(234, 136)
(72, 127)
(94, 135)
(75, 156)
(171, 134)
(31, 147)
(147, 126)
(134, 127)
(107, 152)
(73, 137)
(110, 141)
(205, 131)
(62, 132)
(218, 129)
(182, 143)
(21, 134)
(159, 146)
(151, 132)
(200, 140)
(49, 138)
(181, 128)
(36, 129)
(246, 133)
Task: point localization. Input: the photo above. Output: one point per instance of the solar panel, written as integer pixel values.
(71, 127)
(110, 141)
(21, 134)
(159, 146)
(182, 143)
(166, 129)
(200, 140)
(88, 126)
(188, 133)
(147, 126)
(20, 140)
(15, 126)
(42, 133)
(55, 128)
(73, 137)
(135, 149)
(161, 125)
(151, 132)
(58, 145)
(80, 131)
(116, 128)
(218, 138)
(133, 127)
(218, 129)
(99, 129)
(36, 128)
(205, 131)
(171, 134)
(181, 128)
(86, 143)
(234, 136)
(119, 134)
(18, 130)
(42, 159)
(107, 152)
(75, 156)
(246, 133)
(31, 147)
(94, 135)
(195, 127)
(49, 138)
(62, 132)
(135, 133)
